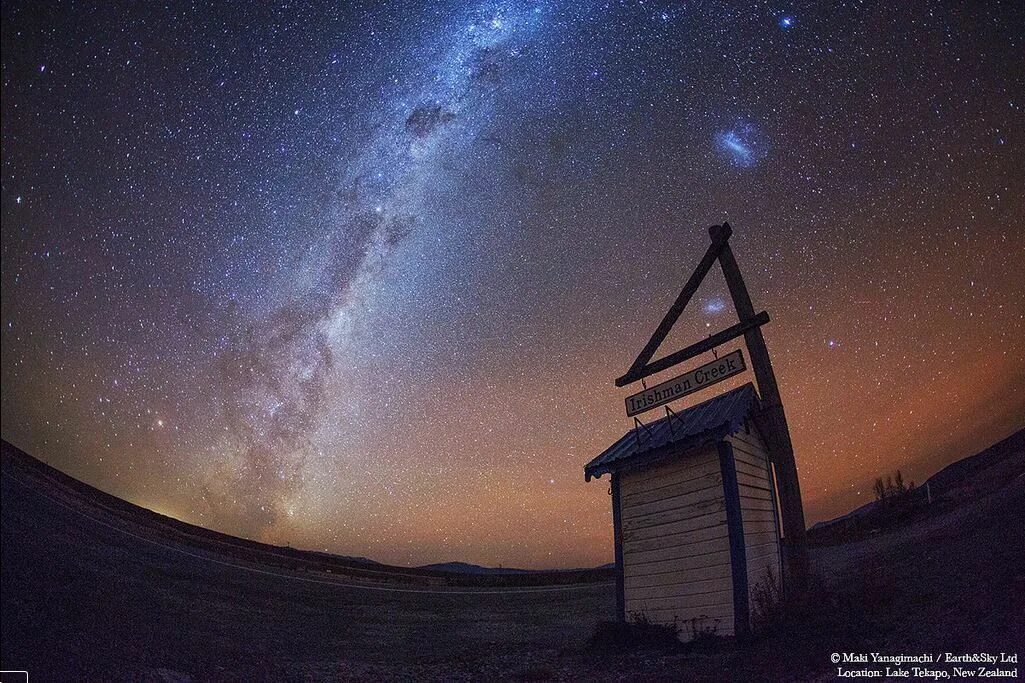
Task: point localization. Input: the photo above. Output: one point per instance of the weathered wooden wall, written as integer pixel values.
(758, 505)
(676, 551)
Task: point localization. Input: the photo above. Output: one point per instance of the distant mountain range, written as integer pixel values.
(467, 568)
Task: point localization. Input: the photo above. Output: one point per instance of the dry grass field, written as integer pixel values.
(88, 594)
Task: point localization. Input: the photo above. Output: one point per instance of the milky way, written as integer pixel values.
(277, 370)
(358, 277)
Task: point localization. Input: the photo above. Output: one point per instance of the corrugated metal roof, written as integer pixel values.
(708, 421)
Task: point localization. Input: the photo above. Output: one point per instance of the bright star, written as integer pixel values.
(786, 22)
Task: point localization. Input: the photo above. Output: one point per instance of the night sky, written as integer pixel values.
(359, 278)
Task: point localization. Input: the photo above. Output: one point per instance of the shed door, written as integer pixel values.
(676, 552)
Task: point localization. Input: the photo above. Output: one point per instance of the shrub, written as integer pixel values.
(767, 603)
(634, 634)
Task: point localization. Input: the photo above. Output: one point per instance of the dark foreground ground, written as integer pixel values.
(88, 595)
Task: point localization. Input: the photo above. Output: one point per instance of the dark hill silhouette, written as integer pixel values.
(968, 478)
(19, 464)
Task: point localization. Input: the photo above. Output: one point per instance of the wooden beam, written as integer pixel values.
(693, 350)
(738, 549)
(781, 449)
(617, 532)
(673, 314)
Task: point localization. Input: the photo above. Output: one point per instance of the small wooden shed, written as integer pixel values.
(695, 510)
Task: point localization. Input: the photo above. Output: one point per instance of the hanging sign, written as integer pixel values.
(687, 383)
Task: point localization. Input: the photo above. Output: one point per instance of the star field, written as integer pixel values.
(359, 277)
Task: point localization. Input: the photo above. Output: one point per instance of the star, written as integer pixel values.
(338, 249)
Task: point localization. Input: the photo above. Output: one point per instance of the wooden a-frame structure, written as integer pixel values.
(771, 418)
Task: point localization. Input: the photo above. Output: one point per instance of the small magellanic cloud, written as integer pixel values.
(714, 306)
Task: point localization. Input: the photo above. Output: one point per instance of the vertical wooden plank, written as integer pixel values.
(770, 473)
(738, 551)
(778, 437)
(617, 526)
(775, 512)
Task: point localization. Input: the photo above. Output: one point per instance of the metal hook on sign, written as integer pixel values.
(638, 425)
(670, 414)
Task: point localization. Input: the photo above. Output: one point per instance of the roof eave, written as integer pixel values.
(668, 450)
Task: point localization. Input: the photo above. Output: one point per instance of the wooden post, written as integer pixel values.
(778, 437)
(738, 550)
(617, 527)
